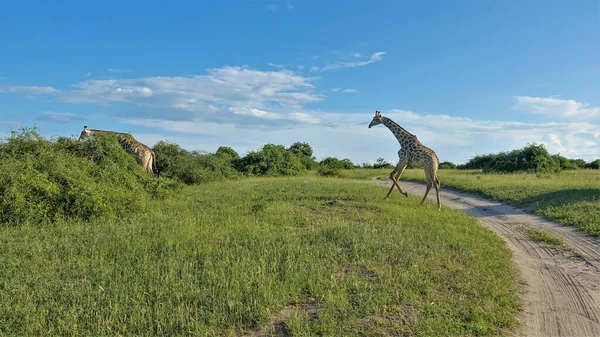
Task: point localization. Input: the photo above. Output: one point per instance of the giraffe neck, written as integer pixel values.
(404, 137)
(119, 134)
(144, 155)
(126, 140)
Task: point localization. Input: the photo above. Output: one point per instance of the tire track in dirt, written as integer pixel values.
(561, 290)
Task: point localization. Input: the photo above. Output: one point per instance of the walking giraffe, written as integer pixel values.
(413, 153)
(143, 154)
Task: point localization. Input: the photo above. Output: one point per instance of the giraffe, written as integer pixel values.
(143, 154)
(411, 152)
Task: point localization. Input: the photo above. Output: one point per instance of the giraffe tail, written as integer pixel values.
(154, 169)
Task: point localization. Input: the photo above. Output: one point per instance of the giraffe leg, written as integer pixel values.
(395, 179)
(429, 184)
(431, 178)
(437, 192)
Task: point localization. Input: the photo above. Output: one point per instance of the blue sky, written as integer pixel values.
(467, 77)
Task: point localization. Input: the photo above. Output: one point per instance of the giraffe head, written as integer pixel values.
(376, 120)
(84, 133)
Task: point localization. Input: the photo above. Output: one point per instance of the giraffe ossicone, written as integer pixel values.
(412, 152)
(144, 155)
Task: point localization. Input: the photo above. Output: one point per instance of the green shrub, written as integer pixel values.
(447, 165)
(192, 167)
(335, 163)
(271, 160)
(593, 165)
(226, 151)
(382, 163)
(569, 164)
(305, 153)
(531, 158)
(328, 171)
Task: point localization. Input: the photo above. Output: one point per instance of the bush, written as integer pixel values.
(569, 164)
(44, 180)
(328, 171)
(271, 160)
(305, 152)
(335, 163)
(226, 151)
(192, 167)
(531, 158)
(593, 165)
(447, 165)
(382, 163)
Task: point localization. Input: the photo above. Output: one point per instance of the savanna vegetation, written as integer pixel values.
(223, 244)
(294, 255)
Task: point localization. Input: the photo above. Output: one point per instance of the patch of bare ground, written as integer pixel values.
(277, 324)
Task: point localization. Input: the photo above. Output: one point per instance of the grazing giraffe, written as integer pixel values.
(413, 153)
(143, 154)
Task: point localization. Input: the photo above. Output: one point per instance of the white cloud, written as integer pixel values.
(313, 69)
(344, 90)
(276, 65)
(375, 57)
(207, 97)
(30, 90)
(227, 86)
(300, 117)
(272, 7)
(61, 117)
(290, 6)
(554, 106)
(88, 74)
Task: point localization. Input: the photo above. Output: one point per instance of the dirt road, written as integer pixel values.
(561, 291)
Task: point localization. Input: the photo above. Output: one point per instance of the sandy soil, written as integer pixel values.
(561, 285)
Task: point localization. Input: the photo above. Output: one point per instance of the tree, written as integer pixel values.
(227, 151)
(305, 152)
(593, 165)
(336, 163)
(271, 160)
(447, 165)
(382, 163)
(302, 149)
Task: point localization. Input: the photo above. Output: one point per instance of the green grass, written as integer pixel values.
(306, 255)
(571, 198)
(542, 237)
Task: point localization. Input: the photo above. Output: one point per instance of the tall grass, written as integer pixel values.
(305, 255)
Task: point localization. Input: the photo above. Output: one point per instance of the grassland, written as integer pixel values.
(304, 256)
(570, 197)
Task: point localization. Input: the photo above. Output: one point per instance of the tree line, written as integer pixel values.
(531, 158)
